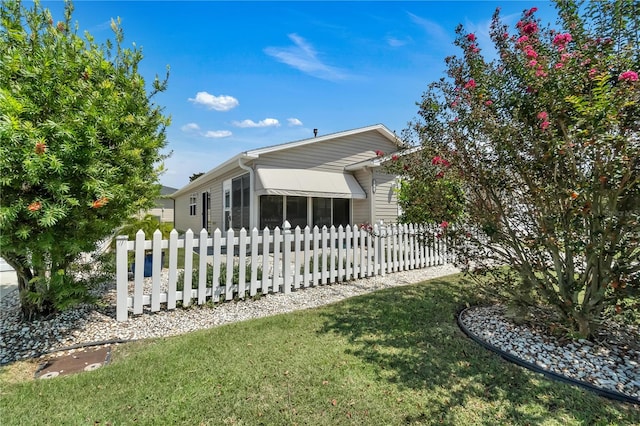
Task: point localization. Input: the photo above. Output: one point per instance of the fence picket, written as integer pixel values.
(217, 258)
(138, 272)
(275, 277)
(306, 280)
(316, 263)
(173, 267)
(242, 260)
(254, 262)
(156, 267)
(228, 279)
(325, 273)
(333, 273)
(202, 267)
(188, 267)
(297, 274)
(348, 253)
(265, 260)
(341, 265)
(286, 258)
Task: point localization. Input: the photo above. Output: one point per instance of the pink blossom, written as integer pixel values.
(444, 224)
(531, 11)
(454, 104)
(523, 39)
(629, 76)
(531, 54)
(533, 63)
(558, 65)
(440, 174)
(379, 153)
(470, 84)
(562, 39)
(541, 73)
(544, 125)
(471, 37)
(542, 115)
(489, 102)
(439, 161)
(530, 28)
(593, 72)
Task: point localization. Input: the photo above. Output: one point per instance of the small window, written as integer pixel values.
(193, 202)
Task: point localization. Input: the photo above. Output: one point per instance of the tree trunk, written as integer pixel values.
(30, 309)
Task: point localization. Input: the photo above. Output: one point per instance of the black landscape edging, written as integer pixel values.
(618, 396)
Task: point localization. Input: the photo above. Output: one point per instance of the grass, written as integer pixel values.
(387, 358)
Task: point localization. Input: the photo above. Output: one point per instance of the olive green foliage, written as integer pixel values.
(546, 138)
(430, 192)
(80, 142)
(222, 279)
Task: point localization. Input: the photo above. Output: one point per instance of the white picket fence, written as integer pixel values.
(278, 261)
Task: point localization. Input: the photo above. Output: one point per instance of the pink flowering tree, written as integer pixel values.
(546, 138)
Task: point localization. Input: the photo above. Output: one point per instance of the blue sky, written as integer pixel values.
(245, 75)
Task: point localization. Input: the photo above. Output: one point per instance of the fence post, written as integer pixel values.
(122, 278)
(286, 258)
(377, 264)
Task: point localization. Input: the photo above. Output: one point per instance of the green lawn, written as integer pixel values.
(388, 358)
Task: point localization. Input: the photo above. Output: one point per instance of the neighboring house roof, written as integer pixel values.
(165, 201)
(255, 153)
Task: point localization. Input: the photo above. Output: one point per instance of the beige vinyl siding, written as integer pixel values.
(182, 219)
(361, 209)
(332, 155)
(386, 207)
(217, 197)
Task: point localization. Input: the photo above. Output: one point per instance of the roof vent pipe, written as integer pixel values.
(315, 133)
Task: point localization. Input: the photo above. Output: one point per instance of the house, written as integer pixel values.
(334, 179)
(163, 209)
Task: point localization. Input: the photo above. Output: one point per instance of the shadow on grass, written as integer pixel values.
(411, 337)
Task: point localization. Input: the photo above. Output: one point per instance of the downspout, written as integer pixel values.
(372, 201)
(253, 201)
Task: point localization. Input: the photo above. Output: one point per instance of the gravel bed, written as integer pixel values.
(611, 363)
(88, 324)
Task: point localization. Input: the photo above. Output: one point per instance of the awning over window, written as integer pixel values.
(307, 183)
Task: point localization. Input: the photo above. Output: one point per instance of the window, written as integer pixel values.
(240, 202)
(341, 212)
(193, 202)
(331, 211)
(296, 212)
(322, 212)
(271, 211)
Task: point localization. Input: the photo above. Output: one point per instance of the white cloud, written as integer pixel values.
(217, 134)
(190, 127)
(267, 122)
(302, 56)
(294, 122)
(396, 42)
(433, 29)
(219, 103)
